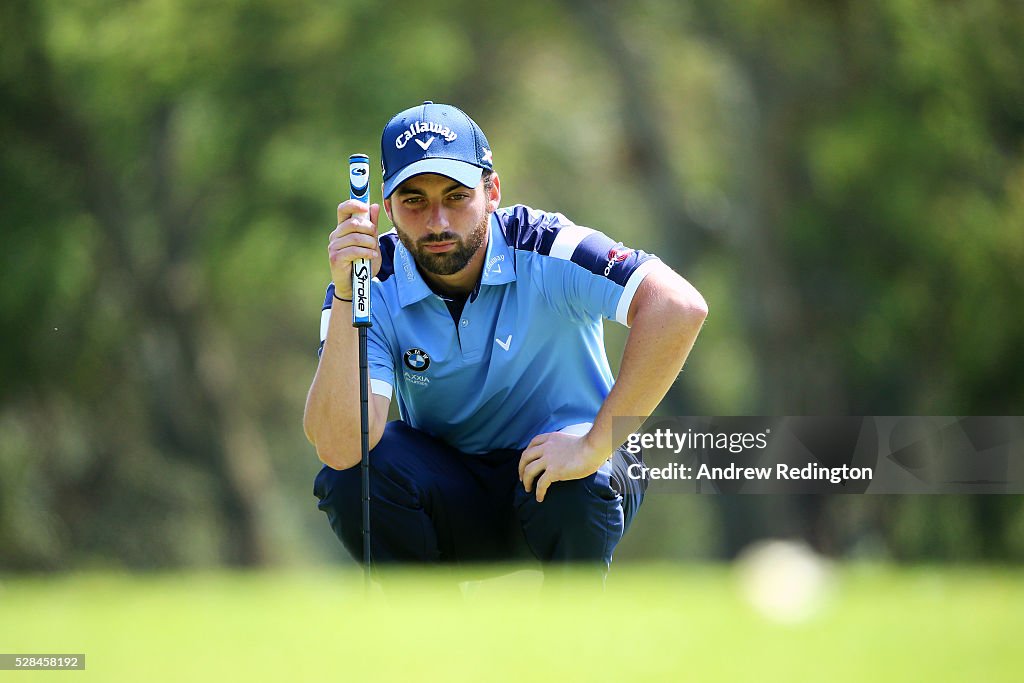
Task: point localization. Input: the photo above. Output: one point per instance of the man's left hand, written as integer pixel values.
(557, 457)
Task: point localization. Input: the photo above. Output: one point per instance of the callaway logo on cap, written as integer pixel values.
(433, 138)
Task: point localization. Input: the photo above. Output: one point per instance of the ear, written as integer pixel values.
(494, 195)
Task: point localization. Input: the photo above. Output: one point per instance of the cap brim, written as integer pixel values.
(459, 171)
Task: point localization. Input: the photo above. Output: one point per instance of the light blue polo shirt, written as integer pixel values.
(527, 356)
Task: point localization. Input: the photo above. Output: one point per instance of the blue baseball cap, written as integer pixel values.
(433, 138)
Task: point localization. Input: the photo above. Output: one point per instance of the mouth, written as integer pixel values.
(439, 247)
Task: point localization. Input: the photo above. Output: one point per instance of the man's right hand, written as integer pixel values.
(355, 237)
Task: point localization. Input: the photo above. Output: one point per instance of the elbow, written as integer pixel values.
(695, 308)
(687, 305)
(668, 299)
(342, 451)
(327, 450)
(307, 427)
(337, 458)
(692, 314)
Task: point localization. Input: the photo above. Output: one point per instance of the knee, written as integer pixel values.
(333, 486)
(399, 476)
(579, 520)
(595, 490)
(340, 494)
(570, 502)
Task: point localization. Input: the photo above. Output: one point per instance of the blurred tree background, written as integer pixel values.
(844, 181)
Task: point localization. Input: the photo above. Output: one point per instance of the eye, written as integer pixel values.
(458, 196)
(410, 201)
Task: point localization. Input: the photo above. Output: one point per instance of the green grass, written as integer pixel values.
(651, 624)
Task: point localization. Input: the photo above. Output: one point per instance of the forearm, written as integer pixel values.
(332, 417)
(665, 315)
(661, 336)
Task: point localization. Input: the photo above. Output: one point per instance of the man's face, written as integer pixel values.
(443, 224)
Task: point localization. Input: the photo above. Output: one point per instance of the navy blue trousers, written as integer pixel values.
(431, 503)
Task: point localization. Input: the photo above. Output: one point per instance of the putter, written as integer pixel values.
(359, 188)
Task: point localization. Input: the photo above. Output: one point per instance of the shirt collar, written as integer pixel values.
(411, 286)
(498, 267)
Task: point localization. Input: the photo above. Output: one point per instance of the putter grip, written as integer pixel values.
(359, 188)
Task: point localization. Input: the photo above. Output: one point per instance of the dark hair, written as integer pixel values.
(487, 177)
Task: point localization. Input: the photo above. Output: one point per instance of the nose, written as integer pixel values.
(438, 219)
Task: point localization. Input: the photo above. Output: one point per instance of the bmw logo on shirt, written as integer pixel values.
(417, 360)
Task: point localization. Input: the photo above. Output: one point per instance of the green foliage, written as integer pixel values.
(845, 181)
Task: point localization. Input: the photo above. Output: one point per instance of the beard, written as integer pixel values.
(450, 262)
